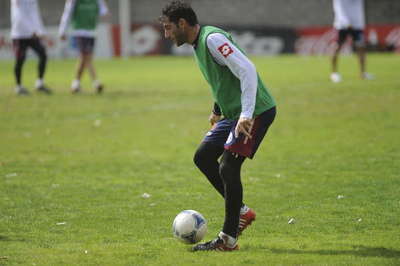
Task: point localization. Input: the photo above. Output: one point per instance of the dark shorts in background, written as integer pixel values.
(85, 45)
(223, 134)
(356, 35)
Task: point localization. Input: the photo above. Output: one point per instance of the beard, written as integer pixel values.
(179, 42)
(180, 39)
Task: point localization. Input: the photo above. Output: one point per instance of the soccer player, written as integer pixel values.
(349, 21)
(26, 32)
(83, 15)
(241, 115)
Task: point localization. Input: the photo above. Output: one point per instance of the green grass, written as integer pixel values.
(85, 160)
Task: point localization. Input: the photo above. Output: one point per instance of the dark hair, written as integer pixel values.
(179, 9)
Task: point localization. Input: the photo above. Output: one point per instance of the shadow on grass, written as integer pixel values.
(361, 251)
(8, 239)
(4, 238)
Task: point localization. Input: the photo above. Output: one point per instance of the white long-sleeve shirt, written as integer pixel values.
(240, 66)
(66, 17)
(349, 13)
(25, 19)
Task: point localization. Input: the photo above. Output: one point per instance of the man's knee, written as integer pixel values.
(40, 50)
(43, 57)
(226, 171)
(20, 59)
(202, 154)
(206, 153)
(198, 156)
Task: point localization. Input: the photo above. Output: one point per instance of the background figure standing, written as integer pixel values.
(349, 21)
(26, 31)
(83, 15)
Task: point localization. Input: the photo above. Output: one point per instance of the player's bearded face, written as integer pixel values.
(174, 33)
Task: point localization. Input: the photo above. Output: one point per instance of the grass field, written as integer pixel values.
(74, 168)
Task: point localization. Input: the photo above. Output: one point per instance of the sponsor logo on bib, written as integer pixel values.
(225, 50)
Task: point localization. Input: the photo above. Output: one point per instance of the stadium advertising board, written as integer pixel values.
(148, 39)
(322, 40)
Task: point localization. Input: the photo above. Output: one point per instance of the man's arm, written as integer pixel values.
(216, 109)
(215, 115)
(103, 8)
(66, 16)
(226, 54)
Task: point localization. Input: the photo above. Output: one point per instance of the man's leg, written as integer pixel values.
(80, 67)
(230, 168)
(81, 64)
(20, 56)
(232, 159)
(335, 76)
(360, 50)
(359, 44)
(334, 59)
(206, 159)
(87, 48)
(93, 75)
(40, 50)
(90, 66)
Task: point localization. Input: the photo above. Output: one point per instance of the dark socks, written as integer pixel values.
(42, 65)
(230, 173)
(225, 177)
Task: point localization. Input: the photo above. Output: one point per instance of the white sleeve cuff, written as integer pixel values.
(248, 115)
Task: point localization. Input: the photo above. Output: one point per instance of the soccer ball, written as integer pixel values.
(189, 226)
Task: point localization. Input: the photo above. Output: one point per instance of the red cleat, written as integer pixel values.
(246, 219)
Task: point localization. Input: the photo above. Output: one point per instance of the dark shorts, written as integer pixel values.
(356, 35)
(223, 134)
(20, 46)
(85, 45)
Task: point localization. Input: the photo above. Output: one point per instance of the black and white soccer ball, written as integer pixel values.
(189, 226)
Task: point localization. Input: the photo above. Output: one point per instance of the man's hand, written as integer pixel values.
(214, 118)
(244, 126)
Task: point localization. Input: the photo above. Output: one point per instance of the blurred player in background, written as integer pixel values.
(27, 31)
(349, 21)
(245, 104)
(83, 16)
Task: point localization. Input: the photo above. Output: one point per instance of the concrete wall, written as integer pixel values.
(294, 13)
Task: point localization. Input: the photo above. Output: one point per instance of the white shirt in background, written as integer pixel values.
(240, 66)
(349, 13)
(25, 19)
